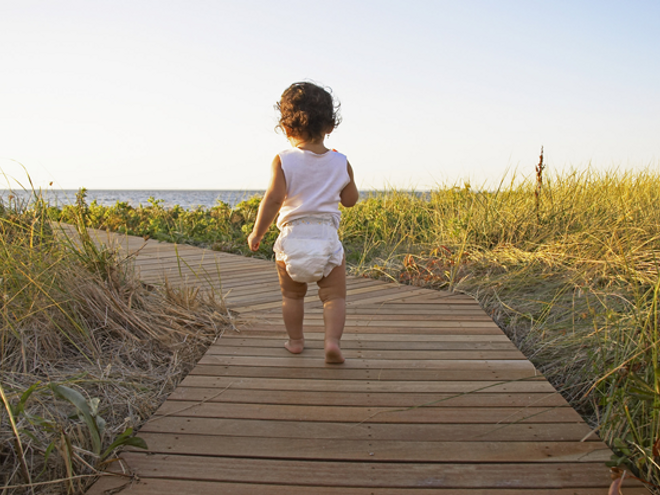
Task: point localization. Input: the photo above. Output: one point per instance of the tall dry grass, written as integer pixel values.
(81, 335)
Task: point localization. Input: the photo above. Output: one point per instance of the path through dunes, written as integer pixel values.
(433, 398)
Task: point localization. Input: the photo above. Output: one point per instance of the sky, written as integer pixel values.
(171, 94)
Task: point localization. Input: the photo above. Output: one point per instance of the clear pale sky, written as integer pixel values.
(179, 94)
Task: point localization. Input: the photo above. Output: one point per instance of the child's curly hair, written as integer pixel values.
(307, 111)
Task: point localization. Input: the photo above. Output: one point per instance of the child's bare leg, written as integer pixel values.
(293, 312)
(334, 316)
(332, 291)
(293, 309)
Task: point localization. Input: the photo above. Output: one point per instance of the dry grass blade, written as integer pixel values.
(18, 440)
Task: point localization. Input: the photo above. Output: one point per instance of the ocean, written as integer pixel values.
(185, 199)
(170, 197)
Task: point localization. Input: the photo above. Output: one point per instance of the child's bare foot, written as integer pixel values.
(295, 346)
(333, 353)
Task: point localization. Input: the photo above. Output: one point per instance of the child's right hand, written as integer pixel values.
(253, 242)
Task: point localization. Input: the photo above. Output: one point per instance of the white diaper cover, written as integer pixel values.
(309, 247)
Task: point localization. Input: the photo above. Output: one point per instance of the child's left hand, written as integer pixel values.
(253, 242)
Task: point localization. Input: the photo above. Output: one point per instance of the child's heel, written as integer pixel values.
(333, 353)
(295, 346)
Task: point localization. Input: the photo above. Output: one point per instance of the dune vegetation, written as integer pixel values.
(567, 265)
(88, 352)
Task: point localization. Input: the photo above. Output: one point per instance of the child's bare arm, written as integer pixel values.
(349, 195)
(270, 205)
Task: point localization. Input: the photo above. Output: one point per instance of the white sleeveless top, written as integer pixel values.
(313, 184)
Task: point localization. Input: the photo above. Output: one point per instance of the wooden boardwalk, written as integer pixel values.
(433, 399)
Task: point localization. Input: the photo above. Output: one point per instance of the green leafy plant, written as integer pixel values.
(88, 412)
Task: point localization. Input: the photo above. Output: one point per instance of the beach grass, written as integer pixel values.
(88, 352)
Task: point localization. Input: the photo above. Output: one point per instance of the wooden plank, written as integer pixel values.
(175, 272)
(342, 414)
(536, 386)
(233, 292)
(383, 295)
(395, 307)
(373, 354)
(384, 375)
(317, 343)
(369, 399)
(276, 325)
(266, 287)
(432, 297)
(247, 334)
(229, 265)
(376, 451)
(369, 474)
(273, 285)
(238, 282)
(390, 294)
(163, 486)
(434, 323)
(257, 299)
(473, 433)
(387, 313)
(407, 318)
(412, 324)
(288, 360)
(194, 257)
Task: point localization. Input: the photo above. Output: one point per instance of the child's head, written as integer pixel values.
(307, 111)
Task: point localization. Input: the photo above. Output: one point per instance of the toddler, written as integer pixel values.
(308, 182)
